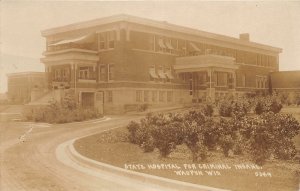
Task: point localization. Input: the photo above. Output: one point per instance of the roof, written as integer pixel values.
(157, 24)
(285, 79)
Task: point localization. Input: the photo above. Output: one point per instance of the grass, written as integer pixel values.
(113, 148)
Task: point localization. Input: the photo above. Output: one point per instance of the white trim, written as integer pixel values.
(65, 41)
(153, 73)
(161, 43)
(156, 24)
(195, 47)
(86, 81)
(69, 50)
(169, 45)
(153, 52)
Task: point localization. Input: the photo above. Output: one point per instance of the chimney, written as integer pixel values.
(245, 37)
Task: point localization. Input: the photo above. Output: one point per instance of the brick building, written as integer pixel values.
(122, 61)
(287, 83)
(24, 87)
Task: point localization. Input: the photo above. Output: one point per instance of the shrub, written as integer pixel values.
(133, 128)
(267, 104)
(272, 134)
(64, 112)
(165, 133)
(208, 109)
(148, 145)
(194, 141)
(284, 128)
(226, 140)
(198, 138)
(161, 131)
(238, 108)
(225, 108)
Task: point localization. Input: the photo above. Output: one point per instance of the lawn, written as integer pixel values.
(113, 148)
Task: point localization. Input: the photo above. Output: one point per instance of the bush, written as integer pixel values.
(267, 104)
(272, 134)
(161, 131)
(259, 136)
(198, 134)
(64, 112)
(148, 145)
(226, 140)
(166, 132)
(225, 108)
(133, 127)
(238, 108)
(208, 109)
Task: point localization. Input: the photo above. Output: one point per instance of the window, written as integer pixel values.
(241, 80)
(102, 40)
(102, 73)
(83, 73)
(169, 96)
(107, 40)
(110, 72)
(265, 82)
(257, 81)
(66, 73)
(161, 45)
(261, 81)
(161, 73)
(161, 96)
(168, 73)
(152, 73)
(169, 46)
(191, 87)
(111, 39)
(57, 74)
(109, 96)
(221, 78)
(154, 96)
(146, 96)
(138, 95)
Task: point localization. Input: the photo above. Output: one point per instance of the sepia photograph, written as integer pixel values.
(149, 95)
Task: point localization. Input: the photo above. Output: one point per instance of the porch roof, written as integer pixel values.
(204, 62)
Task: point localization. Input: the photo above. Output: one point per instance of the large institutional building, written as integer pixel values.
(25, 87)
(120, 62)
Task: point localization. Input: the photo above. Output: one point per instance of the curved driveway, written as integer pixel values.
(29, 161)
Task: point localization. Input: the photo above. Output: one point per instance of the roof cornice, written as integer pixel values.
(157, 24)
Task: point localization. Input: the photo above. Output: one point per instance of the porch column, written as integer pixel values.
(48, 76)
(73, 74)
(73, 83)
(211, 85)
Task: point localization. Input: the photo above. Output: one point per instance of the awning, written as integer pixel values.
(161, 74)
(161, 43)
(153, 73)
(169, 45)
(70, 40)
(169, 75)
(195, 48)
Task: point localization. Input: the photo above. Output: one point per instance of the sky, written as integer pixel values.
(275, 23)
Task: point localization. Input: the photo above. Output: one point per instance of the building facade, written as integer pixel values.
(287, 84)
(121, 62)
(24, 87)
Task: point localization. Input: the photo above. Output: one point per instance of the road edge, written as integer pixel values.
(85, 162)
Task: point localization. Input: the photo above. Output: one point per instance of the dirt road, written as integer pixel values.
(28, 160)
